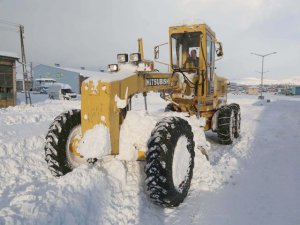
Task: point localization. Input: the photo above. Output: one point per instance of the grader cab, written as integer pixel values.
(191, 87)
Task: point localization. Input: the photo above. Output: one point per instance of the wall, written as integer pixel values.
(8, 91)
(296, 90)
(252, 91)
(60, 75)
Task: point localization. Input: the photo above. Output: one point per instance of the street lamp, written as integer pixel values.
(262, 70)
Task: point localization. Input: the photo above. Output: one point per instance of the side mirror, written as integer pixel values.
(156, 50)
(156, 54)
(219, 49)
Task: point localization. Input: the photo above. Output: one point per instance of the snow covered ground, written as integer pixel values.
(254, 181)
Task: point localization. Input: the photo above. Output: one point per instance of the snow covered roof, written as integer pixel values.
(63, 86)
(124, 71)
(9, 54)
(45, 79)
(85, 73)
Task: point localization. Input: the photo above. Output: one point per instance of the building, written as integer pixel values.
(72, 77)
(252, 90)
(20, 82)
(295, 90)
(42, 84)
(8, 91)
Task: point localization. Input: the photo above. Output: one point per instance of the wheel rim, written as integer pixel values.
(181, 163)
(74, 158)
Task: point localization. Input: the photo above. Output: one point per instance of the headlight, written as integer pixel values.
(135, 57)
(122, 58)
(112, 68)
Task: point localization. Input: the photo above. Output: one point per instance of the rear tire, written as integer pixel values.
(237, 115)
(226, 123)
(58, 156)
(170, 161)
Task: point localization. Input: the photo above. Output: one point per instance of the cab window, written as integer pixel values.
(185, 50)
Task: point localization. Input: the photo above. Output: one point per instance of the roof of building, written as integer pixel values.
(62, 86)
(85, 73)
(9, 54)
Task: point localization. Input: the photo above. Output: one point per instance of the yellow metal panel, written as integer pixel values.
(99, 105)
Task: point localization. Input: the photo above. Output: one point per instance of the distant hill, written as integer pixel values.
(256, 81)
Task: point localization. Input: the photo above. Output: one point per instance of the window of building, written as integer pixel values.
(6, 82)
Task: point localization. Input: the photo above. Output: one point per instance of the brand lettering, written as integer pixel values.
(157, 81)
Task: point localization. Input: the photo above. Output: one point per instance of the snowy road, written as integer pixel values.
(267, 189)
(254, 181)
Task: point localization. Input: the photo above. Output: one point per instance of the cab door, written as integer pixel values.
(210, 60)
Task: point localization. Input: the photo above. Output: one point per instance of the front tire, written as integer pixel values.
(65, 128)
(170, 161)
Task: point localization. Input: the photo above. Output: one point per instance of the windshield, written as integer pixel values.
(65, 91)
(185, 50)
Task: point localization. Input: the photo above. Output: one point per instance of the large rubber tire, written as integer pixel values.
(237, 116)
(171, 142)
(226, 123)
(60, 160)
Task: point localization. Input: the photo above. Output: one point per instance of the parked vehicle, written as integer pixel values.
(61, 91)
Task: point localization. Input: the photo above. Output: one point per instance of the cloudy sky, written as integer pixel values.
(90, 33)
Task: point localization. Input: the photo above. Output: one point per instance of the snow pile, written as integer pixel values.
(138, 125)
(223, 190)
(95, 142)
(135, 132)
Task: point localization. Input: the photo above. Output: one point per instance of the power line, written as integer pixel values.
(9, 28)
(9, 23)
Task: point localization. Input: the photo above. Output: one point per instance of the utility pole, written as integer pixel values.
(24, 65)
(31, 75)
(262, 71)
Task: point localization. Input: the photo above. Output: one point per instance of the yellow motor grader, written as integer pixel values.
(191, 87)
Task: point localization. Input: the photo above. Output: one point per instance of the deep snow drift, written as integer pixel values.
(254, 181)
